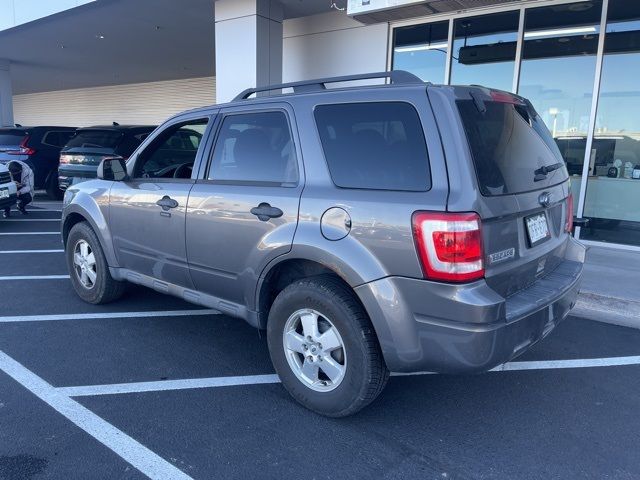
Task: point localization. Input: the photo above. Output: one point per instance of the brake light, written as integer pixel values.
(568, 223)
(504, 97)
(24, 149)
(449, 245)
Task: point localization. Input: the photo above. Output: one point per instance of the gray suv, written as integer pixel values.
(402, 227)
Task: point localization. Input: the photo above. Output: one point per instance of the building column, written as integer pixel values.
(248, 45)
(6, 95)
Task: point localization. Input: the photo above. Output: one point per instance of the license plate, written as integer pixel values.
(4, 193)
(537, 228)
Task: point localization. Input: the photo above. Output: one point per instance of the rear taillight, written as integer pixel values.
(449, 245)
(24, 149)
(568, 222)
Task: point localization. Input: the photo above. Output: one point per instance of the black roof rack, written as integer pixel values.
(396, 77)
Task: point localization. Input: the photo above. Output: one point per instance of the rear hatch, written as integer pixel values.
(13, 144)
(84, 152)
(524, 200)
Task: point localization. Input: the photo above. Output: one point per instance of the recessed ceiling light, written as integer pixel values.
(100, 36)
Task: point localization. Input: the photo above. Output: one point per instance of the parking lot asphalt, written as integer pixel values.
(151, 386)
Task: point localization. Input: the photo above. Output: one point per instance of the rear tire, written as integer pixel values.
(344, 375)
(52, 187)
(88, 267)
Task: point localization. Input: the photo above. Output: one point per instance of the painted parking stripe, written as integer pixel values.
(214, 382)
(20, 220)
(29, 233)
(165, 385)
(17, 252)
(108, 315)
(33, 277)
(139, 456)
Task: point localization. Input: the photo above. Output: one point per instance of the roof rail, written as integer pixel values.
(396, 77)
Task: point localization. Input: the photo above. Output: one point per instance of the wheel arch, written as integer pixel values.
(279, 275)
(93, 215)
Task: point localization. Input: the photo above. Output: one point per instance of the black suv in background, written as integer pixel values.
(38, 147)
(80, 157)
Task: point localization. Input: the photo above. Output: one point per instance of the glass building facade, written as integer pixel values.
(579, 64)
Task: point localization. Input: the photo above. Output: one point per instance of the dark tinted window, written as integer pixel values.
(57, 138)
(255, 147)
(95, 139)
(509, 144)
(172, 153)
(374, 145)
(12, 137)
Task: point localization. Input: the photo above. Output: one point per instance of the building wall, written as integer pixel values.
(332, 44)
(139, 103)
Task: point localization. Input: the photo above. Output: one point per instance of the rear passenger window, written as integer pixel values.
(379, 146)
(255, 147)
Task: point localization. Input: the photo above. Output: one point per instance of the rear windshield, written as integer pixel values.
(509, 145)
(378, 146)
(95, 139)
(12, 138)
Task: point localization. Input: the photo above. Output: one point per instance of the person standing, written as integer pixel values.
(23, 177)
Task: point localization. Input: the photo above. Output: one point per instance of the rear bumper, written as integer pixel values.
(70, 176)
(429, 326)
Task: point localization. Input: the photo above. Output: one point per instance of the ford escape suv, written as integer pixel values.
(402, 227)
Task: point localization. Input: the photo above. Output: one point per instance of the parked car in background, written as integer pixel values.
(38, 147)
(8, 189)
(80, 157)
(406, 227)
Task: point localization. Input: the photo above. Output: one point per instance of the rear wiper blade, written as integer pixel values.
(544, 170)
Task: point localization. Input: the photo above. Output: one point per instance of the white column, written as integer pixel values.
(6, 95)
(248, 45)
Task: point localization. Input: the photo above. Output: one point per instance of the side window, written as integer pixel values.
(255, 147)
(379, 146)
(170, 155)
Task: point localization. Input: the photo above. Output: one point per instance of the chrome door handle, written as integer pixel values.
(167, 202)
(264, 212)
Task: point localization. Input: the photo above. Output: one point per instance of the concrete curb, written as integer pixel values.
(607, 309)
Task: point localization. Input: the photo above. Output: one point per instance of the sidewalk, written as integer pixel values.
(611, 287)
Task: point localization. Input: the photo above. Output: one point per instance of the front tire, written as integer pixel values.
(88, 267)
(324, 348)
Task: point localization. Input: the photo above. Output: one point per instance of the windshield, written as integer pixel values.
(95, 139)
(512, 148)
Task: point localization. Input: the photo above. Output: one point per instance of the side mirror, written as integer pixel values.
(113, 169)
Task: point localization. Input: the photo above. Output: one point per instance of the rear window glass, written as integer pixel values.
(509, 145)
(378, 146)
(12, 138)
(95, 139)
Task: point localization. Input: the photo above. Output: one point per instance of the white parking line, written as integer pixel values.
(33, 277)
(107, 315)
(139, 456)
(30, 233)
(29, 251)
(20, 220)
(214, 382)
(165, 385)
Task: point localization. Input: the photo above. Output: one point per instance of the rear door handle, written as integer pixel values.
(264, 212)
(167, 202)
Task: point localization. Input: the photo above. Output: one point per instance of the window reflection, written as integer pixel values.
(484, 50)
(422, 50)
(557, 73)
(613, 191)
